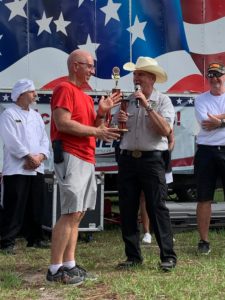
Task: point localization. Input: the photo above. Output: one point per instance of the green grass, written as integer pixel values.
(218, 196)
(22, 276)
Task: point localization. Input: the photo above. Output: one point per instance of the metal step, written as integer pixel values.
(183, 215)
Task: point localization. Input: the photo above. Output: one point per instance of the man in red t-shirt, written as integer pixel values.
(74, 129)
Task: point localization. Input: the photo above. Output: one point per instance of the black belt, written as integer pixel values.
(139, 154)
(211, 147)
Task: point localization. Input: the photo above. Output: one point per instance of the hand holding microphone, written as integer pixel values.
(137, 88)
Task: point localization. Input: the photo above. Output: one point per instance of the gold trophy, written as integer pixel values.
(124, 102)
(116, 77)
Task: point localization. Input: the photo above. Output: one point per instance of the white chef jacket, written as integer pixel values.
(23, 132)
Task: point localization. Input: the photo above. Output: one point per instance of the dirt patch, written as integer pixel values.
(38, 282)
(46, 291)
(50, 295)
(99, 292)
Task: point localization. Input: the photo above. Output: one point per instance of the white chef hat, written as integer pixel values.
(20, 87)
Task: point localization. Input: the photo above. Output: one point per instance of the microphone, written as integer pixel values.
(137, 88)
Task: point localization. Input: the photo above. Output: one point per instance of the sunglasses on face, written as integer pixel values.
(214, 74)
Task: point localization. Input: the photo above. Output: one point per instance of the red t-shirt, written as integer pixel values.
(81, 106)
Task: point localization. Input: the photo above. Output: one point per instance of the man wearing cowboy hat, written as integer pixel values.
(149, 119)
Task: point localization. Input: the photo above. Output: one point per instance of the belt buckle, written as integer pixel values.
(136, 154)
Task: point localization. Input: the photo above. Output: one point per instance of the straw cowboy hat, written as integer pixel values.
(149, 65)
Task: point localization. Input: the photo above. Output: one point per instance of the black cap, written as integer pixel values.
(216, 67)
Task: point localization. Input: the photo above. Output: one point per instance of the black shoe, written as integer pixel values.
(127, 264)
(63, 276)
(8, 250)
(38, 244)
(81, 272)
(167, 265)
(203, 247)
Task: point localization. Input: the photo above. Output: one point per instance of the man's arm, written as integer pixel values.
(222, 116)
(159, 124)
(64, 124)
(171, 141)
(213, 122)
(33, 161)
(105, 106)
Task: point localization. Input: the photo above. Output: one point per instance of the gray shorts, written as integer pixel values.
(77, 184)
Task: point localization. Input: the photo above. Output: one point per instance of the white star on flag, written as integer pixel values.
(80, 2)
(17, 8)
(44, 24)
(96, 99)
(190, 101)
(137, 30)
(61, 24)
(5, 97)
(179, 101)
(110, 11)
(91, 47)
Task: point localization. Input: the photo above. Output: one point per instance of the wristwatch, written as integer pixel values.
(150, 108)
(222, 125)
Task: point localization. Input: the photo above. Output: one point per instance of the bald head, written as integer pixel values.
(78, 55)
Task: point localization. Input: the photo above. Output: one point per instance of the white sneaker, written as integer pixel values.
(147, 239)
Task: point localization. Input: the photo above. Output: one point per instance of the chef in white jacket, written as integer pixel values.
(26, 146)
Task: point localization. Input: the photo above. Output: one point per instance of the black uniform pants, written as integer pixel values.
(147, 174)
(22, 208)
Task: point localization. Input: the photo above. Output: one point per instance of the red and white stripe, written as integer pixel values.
(204, 23)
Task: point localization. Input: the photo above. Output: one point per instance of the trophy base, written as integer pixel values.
(123, 129)
(115, 90)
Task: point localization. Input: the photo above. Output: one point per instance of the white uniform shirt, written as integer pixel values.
(141, 136)
(23, 132)
(207, 103)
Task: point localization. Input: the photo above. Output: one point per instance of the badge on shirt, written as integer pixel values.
(153, 104)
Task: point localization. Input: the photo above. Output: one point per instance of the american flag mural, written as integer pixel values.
(36, 37)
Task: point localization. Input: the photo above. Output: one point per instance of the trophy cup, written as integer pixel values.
(124, 103)
(116, 77)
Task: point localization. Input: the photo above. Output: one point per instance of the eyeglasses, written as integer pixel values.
(90, 66)
(214, 74)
